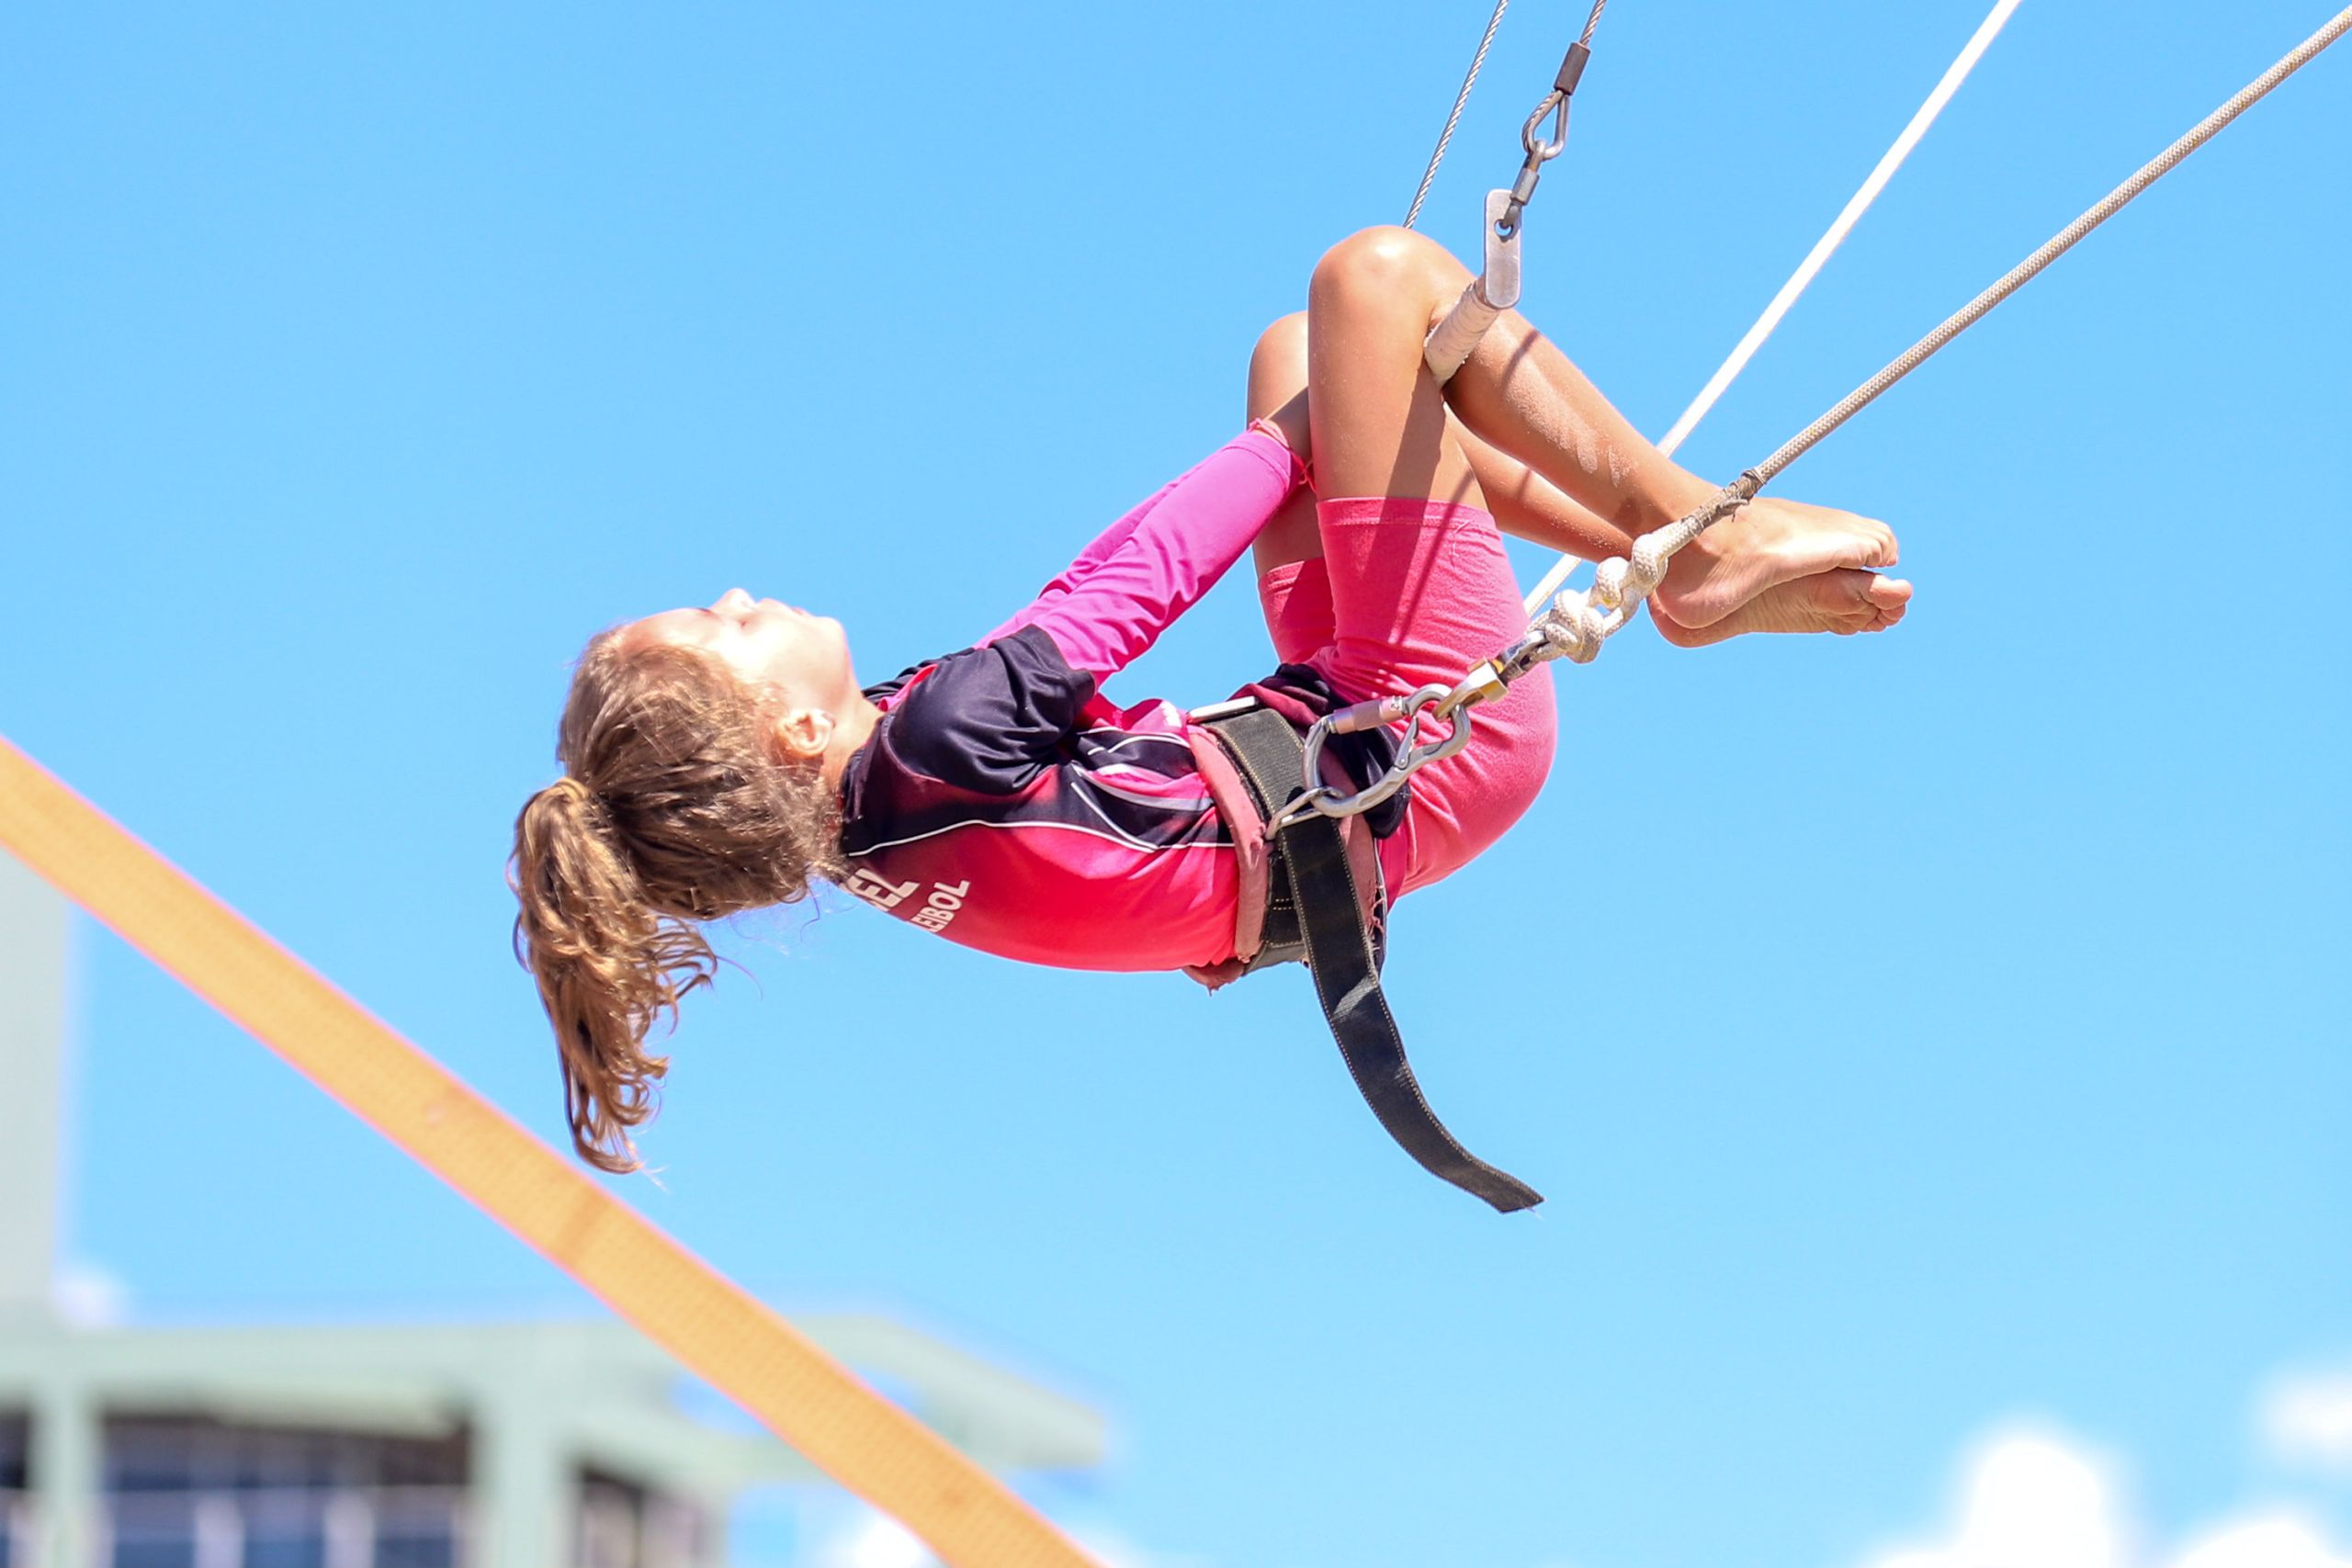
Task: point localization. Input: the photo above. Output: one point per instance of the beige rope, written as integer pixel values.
(715, 1327)
(1930, 109)
(1579, 621)
(2057, 245)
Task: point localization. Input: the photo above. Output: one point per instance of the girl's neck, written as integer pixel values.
(851, 730)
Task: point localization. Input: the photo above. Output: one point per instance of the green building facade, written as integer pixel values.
(514, 1444)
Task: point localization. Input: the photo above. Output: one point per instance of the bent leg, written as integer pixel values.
(1776, 565)
(1277, 395)
(1525, 504)
(1293, 588)
(1420, 587)
(1377, 418)
(1600, 483)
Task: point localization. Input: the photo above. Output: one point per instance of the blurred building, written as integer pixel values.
(496, 1445)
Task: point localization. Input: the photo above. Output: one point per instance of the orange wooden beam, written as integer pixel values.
(803, 1396)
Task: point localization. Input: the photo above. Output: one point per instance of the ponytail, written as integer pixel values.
(675, 808)
(608, 967)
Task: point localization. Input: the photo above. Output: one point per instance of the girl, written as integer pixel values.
(721, 758)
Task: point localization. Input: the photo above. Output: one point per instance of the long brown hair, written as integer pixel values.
(677, 806)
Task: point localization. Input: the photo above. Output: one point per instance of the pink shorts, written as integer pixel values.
(1407, 593)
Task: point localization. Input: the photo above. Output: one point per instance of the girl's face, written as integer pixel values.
(804, 658)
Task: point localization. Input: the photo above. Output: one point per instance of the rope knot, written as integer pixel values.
(1610, 582)
(1646, 571)
(1573, 628)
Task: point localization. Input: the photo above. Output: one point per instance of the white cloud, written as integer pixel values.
(89, 1296)
(2024, 1497)
(1115, 1551)
(2308, 1420)
(872, 1540)
(2027, 1500)
(2275, 1541)
(875, 1541)
(2039, 1499)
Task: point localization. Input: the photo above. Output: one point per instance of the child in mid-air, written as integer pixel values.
(721, 758)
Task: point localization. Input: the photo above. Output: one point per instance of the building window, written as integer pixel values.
(188, 1492)
(15, 1444)
(153, 1530)
(15, 1510)
(417, 1528)
(623, 1525)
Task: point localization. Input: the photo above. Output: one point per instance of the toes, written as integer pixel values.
(1842, 591)
(1843, 600)
(1872, 543)
(1890, 598)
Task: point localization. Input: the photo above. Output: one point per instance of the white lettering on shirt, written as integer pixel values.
(877, 890)
(941, 907)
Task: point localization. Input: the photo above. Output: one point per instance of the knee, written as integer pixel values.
(1372, 262)
(1278, 381)
(1281, 354)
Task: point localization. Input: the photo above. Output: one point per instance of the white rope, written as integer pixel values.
(1579, 621)
(2057, 245)
(1815, 259)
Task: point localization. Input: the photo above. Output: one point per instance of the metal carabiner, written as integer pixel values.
(1410, 757)
(1314, 802)
(1541, 150)
(1556, 103)
(1421, 757)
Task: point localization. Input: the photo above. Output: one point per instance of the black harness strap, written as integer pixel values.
(1314, 912)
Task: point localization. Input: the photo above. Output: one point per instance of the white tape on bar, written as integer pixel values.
(1453, 340)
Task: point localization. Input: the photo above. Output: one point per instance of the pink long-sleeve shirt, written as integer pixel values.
(1004, 803)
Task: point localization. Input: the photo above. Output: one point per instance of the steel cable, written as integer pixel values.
(1445, 137)
(2057, 245)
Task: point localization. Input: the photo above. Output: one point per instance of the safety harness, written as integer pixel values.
(1315, 907)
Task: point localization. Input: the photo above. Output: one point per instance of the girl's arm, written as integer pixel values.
(1155, 563)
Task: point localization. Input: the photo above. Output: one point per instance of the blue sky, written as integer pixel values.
(1915, 1034)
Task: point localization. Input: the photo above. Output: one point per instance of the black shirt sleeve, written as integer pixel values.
(988, 719)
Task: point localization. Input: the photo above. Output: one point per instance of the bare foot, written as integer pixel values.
(1843, 600)
(1767, 543)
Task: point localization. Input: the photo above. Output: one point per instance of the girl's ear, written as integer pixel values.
(805, 733)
